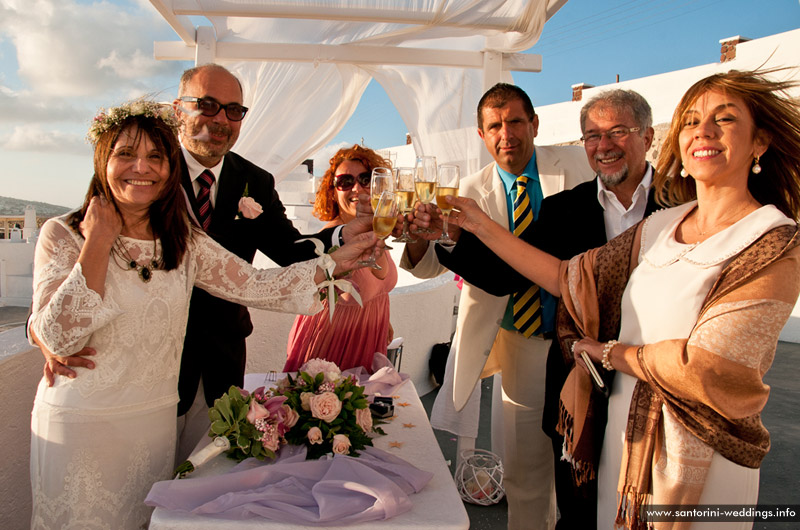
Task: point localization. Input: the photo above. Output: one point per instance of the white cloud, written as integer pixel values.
(67, 49)
(322, 158)
(37, 138)
(22, 106)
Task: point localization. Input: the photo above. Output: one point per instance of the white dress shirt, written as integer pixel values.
(616, 216)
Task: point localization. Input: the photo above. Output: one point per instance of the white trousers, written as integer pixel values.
(527, 451)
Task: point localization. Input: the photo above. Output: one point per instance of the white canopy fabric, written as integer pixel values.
(299, 107)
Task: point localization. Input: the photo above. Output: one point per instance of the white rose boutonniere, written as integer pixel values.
(248, 207)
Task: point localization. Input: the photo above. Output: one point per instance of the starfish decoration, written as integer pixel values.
(395, 397)
(409, 425)
(403, 404)
(390, 418)
(396, 445)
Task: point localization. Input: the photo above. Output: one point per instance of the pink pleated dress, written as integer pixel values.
(355, 334)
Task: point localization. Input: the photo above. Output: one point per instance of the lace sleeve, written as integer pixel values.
(288, 290)
(65, 311)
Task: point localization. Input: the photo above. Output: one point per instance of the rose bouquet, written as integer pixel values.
(334, 415)
(245, 425)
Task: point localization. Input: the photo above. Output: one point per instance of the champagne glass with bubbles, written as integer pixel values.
(383, 222)
(425, 182)
(404, 188)
(447, 184)
(382, 180)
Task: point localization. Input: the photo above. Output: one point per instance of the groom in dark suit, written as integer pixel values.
(209, 107)
(617, 133)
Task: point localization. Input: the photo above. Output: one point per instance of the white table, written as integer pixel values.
(438, 506)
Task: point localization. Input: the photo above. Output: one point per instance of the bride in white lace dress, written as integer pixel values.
(117, 276)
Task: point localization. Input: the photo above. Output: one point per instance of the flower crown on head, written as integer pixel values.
(106, 119)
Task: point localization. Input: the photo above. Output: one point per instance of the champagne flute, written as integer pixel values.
(425, 182)
(404, 187)
(447, 183)
(383, 222)
(382, 180)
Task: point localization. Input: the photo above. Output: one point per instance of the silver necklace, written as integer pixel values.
(128, 263)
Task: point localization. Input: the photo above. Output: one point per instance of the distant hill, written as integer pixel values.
(9, 206)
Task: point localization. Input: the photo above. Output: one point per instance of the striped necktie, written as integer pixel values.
(206, 180)
(527, 304)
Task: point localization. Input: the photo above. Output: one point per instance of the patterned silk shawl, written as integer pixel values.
(720, 400)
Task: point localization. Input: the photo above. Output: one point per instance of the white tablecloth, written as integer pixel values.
(438, 506)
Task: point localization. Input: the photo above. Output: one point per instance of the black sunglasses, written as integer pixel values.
(210, 107)
(346, 181)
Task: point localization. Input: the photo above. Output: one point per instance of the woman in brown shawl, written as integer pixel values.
(687, 307)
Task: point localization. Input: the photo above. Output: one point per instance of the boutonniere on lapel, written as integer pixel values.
(248, 207)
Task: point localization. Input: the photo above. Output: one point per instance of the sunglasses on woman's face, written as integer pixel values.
(346, 181)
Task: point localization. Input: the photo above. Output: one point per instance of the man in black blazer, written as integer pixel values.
(209, 107)
(617, 133)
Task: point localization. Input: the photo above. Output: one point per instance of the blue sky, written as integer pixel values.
(591, 41)
(62, 59)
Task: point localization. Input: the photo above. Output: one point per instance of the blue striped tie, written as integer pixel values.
(527, 304)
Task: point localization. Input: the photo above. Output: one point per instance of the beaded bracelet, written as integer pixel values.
(606, 362)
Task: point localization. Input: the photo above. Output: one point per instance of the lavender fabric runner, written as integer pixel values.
(384, 381)
(339, 490)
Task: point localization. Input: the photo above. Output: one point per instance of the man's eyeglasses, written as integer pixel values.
(614, 135)
(346, 181)
(210, 107)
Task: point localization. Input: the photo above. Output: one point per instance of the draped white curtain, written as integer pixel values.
(297, 108)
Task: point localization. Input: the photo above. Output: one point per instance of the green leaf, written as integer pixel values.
(214, 415)
(243, 442)
(219, 427)
(243, 412)
(223, 404)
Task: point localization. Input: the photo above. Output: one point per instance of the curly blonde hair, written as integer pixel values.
(325, 206)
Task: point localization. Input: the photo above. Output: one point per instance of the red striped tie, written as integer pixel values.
(206, 180)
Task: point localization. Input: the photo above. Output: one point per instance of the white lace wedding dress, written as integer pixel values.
(99, 441)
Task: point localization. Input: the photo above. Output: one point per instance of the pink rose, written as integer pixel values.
(341, 444)
(315, 435)
(270, 439)
(290, 417)
(364, 419)
(305, 400)
(249, 208)
(256, 412)
(325, 406)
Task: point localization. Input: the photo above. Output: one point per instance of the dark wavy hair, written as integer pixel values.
(168, 215)
(775, 114)
(325, 206)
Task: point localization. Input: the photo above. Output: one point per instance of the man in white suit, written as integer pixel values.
(488, 339)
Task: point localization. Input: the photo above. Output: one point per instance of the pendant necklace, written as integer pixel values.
(128, 263)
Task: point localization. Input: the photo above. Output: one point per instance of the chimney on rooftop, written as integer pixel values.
(577, 90)
(728, 48)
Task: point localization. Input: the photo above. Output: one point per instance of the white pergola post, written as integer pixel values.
(205, 51)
